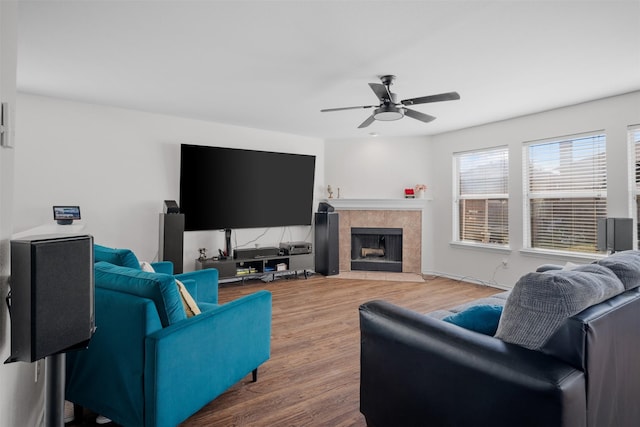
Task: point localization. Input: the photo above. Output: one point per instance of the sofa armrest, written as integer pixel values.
(193, 361)
(164, 267)
(107, 376)
(417, 370)
(207, 284)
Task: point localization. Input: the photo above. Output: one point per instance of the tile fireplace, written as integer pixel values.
(403, 215)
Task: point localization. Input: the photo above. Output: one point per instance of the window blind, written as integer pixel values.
(634, 140)
(482, 180)
(566, 192)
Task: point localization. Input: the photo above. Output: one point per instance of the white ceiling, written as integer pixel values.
(274, 64)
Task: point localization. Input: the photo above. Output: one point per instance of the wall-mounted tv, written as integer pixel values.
(225, 188)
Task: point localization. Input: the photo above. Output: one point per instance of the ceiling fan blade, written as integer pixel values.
(449, 96)
(367, 122)
(418, 115)
(380, 90)
(326, 110)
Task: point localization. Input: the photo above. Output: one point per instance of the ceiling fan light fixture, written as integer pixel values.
(388, 113)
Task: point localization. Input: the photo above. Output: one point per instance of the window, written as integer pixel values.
(482, 214)
(634, 142)
(565, 192)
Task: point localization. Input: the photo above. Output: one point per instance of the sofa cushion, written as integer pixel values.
(161, 288)
(479, 318)
(540, 302)
(121, 257)
(625, 265)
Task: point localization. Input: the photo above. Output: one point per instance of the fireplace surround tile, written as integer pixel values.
(409, 220)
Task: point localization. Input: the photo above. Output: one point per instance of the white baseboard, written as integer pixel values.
(468, 279)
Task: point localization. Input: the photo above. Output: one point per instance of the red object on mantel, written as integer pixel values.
(409, 193)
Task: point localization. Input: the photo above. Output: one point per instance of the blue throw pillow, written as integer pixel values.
(478, 318)
(121, 257)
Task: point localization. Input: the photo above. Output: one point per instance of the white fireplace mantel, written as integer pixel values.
(378, 204)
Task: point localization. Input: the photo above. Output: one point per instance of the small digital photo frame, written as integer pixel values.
(64, 215)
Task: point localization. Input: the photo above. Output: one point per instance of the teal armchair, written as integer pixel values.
(148, 364)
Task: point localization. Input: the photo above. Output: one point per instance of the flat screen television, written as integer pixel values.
(225, 188)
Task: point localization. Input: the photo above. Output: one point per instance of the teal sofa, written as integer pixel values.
(148, 364)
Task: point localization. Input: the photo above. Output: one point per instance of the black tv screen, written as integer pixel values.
(224, 188)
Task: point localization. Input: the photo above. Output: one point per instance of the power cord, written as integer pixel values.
(251, 241)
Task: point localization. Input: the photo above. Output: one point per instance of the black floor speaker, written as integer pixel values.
(52, 296)
(327, 243)
(171, 243)
(615, 234)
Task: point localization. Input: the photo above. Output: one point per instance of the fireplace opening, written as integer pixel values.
(376, 249)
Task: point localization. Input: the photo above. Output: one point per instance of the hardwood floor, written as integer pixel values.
(312, 378)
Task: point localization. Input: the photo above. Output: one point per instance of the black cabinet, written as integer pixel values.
(327, 243)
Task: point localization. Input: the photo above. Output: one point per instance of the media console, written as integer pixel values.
(258, 267)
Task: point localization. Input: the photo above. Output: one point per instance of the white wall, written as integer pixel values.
(381, 168)
(21, 398)
(612, 115)
(376, 167)
(120, 165)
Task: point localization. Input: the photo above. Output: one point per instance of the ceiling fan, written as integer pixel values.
(390, 109)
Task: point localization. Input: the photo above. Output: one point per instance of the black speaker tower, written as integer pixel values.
(327, 243)
(171, 243)
(615, 234)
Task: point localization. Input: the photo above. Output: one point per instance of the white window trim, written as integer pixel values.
(581, 257)
(495, 247)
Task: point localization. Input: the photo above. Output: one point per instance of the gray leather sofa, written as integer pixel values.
(417, 370)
